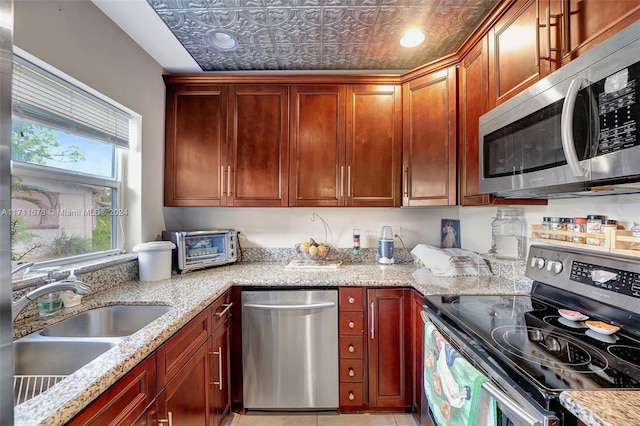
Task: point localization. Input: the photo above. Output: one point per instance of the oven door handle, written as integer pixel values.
(509, 406)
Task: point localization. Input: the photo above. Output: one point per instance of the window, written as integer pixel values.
(67, 145)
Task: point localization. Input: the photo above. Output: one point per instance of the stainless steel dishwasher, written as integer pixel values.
(290, 349)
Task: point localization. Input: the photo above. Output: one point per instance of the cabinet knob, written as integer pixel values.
(351, 396)
(352, 324)
(351, 349)
(352, 299)
(351, 372)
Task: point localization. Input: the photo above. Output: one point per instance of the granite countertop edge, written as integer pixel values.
(192, 292)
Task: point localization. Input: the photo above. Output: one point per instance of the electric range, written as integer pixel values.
(530, 351)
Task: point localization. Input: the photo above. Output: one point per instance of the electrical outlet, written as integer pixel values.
(397, 230)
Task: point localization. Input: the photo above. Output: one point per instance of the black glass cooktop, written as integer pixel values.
(529, 336)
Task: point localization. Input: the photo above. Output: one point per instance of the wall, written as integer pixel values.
(79, 40)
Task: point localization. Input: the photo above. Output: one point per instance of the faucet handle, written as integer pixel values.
(49, 270)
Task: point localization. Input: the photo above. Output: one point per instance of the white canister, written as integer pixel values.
(154, 260)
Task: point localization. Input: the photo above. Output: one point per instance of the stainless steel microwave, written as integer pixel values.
(201, 249)
(573, 133)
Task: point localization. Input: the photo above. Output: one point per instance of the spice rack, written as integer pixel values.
(614, 241)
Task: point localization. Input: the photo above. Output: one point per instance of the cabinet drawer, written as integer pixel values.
(351, 323)
(351, 346)
(351, 299)
(176, 351)
(221, 309)
(351, 394)
(351, 370)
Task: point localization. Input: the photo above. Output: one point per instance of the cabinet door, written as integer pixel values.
(429, 154)
(389, 311)
(126, 402)
(474, 101)
(184, 400)
(514, 51)
(195, 145)
(589, 22)
(259, 157)
(374, 146)
(220, 371)
(317, 146)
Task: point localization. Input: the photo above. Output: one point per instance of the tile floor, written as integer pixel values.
(321, 419)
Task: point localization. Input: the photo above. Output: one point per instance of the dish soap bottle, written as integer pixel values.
(507, 234)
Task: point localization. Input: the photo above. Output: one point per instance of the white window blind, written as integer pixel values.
(42, 97)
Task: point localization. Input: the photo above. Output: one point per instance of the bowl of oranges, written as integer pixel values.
(313, 251)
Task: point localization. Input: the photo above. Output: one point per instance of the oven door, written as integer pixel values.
(514, 407)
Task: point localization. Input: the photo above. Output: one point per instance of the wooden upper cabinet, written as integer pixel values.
(429, 146)
(374, 146)
(474, 101)
(259, 145)
(317, 152)
(195, 145)
(514, 50)
(589, 22)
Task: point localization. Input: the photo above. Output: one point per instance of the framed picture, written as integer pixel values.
(450, 233)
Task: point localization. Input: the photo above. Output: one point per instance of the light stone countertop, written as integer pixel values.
(605, 407)
(192, 292)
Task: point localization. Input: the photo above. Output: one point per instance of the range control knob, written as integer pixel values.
(554, 266)
(537, 262)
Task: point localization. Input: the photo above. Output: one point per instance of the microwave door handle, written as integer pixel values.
(568, 145)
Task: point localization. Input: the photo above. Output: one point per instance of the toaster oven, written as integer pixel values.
(202, 249)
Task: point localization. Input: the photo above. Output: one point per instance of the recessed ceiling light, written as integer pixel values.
(221, 40)
(412, 38)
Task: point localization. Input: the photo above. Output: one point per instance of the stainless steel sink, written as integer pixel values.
(40, 364)
(43, 358)
(108, 321)
(55, 357)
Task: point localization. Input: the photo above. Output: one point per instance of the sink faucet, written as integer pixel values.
(77, 286)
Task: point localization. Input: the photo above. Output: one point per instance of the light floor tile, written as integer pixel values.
(367, 419)
(254, 419)
(406, 420)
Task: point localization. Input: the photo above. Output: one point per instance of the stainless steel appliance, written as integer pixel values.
(530, 351)
(290, 349)
(201, 249)
(573, 133)
(6, 334)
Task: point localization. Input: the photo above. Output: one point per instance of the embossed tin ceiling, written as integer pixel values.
(320, 34)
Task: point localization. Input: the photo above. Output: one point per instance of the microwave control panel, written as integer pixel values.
(618, 110)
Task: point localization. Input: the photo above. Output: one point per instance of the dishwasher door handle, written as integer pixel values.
(319, 305)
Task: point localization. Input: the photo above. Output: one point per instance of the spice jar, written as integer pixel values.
(557, 224)
(507, 234)
(594, 226)
(546, 225)
(580, 226)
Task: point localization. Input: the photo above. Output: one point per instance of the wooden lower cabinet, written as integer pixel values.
(351, 348)
(184, 400)
(185, 380)
(389, 355)
(126, 402)
(219, 350)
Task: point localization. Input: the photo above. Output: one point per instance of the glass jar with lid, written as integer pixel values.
(507, 234)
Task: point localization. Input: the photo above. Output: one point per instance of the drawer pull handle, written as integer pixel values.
(352, 299)
(352, 349)
(351, 396)
(168, 421)
(351, 372)
(227, 306)
(352, 324)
